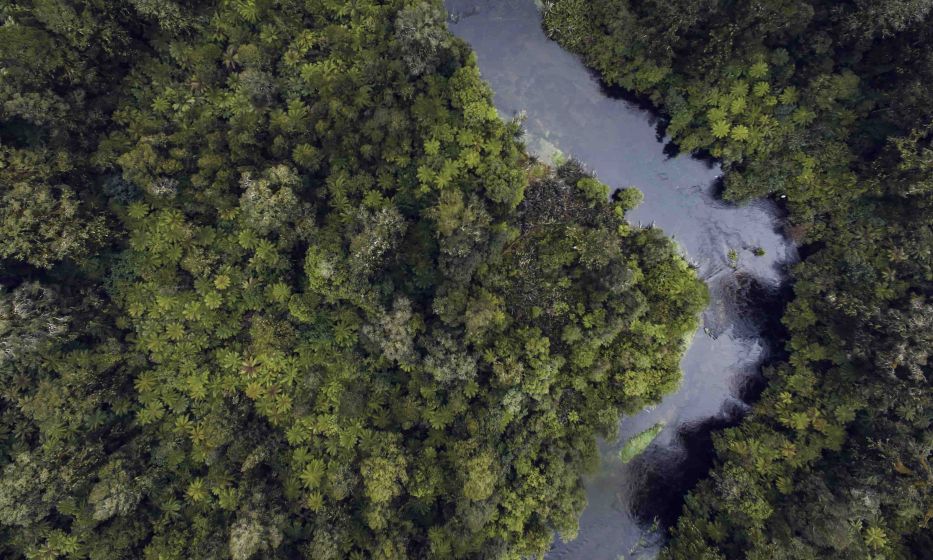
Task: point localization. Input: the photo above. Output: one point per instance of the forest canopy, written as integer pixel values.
(278, 282)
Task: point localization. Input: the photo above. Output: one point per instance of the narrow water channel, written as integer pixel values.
(566, 111)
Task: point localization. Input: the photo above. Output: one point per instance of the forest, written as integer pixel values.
(276, 281)
(827, 107)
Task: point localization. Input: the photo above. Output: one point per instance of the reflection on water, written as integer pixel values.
(567, 111)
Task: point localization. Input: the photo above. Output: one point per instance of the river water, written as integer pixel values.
(566, 111)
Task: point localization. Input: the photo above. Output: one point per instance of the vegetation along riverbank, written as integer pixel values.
(829, 106)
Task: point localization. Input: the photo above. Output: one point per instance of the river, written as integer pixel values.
(566, 111)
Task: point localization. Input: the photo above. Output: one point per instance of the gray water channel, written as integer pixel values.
(566, 111)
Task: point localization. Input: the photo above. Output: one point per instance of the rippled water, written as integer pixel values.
(567, 111)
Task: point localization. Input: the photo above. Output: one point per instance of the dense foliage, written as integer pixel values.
(829, 106)
(278, 282)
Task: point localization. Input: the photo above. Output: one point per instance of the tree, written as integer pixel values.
(421, 33)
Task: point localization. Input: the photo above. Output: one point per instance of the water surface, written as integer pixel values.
(566, 111)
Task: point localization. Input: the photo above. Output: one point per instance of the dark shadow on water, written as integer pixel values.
(658, 119)
(752, 308)
(718, 190)
(640, 101)
(772, 303)
(664, 475)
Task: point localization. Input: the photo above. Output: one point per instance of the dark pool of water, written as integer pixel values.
(566, 111)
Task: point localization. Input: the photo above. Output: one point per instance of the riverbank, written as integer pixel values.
(565, 108)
